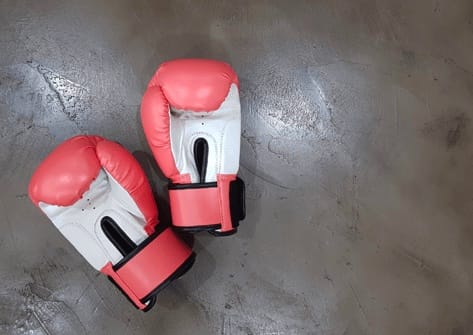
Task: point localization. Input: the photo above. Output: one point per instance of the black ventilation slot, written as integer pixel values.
(201, 153)
(117, 236)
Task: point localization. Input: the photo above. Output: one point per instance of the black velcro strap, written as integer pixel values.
(172, 186)
(237, 201)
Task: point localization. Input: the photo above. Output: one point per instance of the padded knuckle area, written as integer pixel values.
(195, 84)
(67, 172)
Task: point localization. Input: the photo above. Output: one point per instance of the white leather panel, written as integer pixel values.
(80, 222)
(220, 128)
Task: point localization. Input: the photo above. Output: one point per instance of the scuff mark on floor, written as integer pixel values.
(68, 93)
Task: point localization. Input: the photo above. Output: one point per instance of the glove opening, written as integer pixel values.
(117, 236)
(201, 153)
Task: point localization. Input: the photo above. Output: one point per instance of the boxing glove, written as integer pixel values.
(191, 118)
(98, 197)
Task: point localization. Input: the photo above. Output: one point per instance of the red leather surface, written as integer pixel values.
(108, 270)
(128, 173)
(63, 177)
(195, 207)
(152, 265)
(66, 173)
(194, 84)
(190, 84)
(156, 125)
(223, 182)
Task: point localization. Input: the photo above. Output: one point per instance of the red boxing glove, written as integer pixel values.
(191, 118)
(98, 196)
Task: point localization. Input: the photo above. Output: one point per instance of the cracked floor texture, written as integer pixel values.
(356, 151)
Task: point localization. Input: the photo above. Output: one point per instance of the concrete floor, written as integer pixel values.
(357, 153)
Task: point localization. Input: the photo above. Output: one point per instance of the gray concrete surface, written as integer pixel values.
(356, 151)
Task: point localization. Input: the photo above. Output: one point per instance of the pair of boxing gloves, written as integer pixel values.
(99, 198)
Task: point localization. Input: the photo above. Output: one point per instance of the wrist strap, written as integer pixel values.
(150, 267)
(208, 206)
